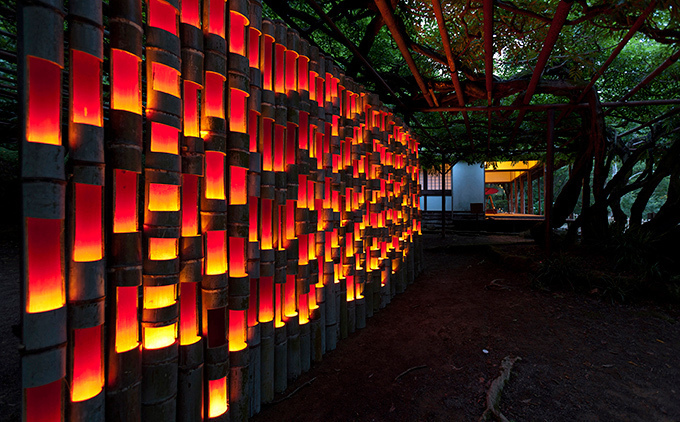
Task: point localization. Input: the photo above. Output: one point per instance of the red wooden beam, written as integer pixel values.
(390, 21)
(553, 33)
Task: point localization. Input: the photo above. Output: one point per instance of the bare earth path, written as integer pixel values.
(582, 359)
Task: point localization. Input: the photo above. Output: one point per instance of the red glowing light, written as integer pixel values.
(267, 66)
(303, 305)
(45, 277)
(238, 193)
(310, 195)
(191, 13)
(165, 79)
(214, 175)
(311, 246)
(163, 15)
(291, 144)
(88, 376)
(43, 403)
(350, 288)
(290, 219)
(254, 47)
(289, 299)
(237, 257)
(319, 91)
(302, 191)
(88, 242)
(127, 331)
(253, 219)
(215, 252)
(302, 250)
(267, 227)
(238, 114)
(253, 129)
(191, 118)
(214, 92)
(279, 71)
(216, 17)
(237, 33)
(266, 299)
(125, 201)
(217, 397)
(267, 152)
(304, 130)
(311, 296)
(164, 138)
(189, 205)
(163, 197)
(237, 330)
(44, 102)
(278, 310)
(303, 74)
(188, 320)
(126, 91)
(86, 90)
(279, 148)
(291, 70)
(252, 303)
(312, 85)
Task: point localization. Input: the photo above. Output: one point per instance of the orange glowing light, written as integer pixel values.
(238, 111)
(304, 308)
(191, 118)
(253, 129)
(163, 15)
(238, 185)
(88, 242)
(44, 102)
(279, 148)
(253, 219)
(311, 246)
(267, 228)
(165, 79)
(217, 397)
(164, 138)
(126, 91)
(350, 288)
(45, 277)
(266, 309)
(336, 201)
(86, 71)
(302, 191)
(214, 175)
(162, 248)
(43, 403)
(127, 332)
(303, 130)
(237, 330)
(310, 195)
(215, 252)
(214, 92)
(237, 33)
(289, 299)
(252, 303)
(328, 246)
(311, 297)
(290, 219)
(156, 297)
(189, 205)
(312, 85)
(291, 143)
(88, 374)
(267, 65)
(237, 257)
(291, 70)
(188, 320)
(159, 337)
(254, 47)
(163, 197)
(349, 247)
(279, 71)
(125, 201)
(267, 153)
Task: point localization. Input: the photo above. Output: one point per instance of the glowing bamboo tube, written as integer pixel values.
(88, 371)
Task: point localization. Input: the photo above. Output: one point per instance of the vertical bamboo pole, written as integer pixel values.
(43, 310)
(214, 285)
(86, 285)
(191, 356)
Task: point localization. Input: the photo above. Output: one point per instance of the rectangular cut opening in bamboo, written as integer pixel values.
(214, 175)
(162, 248)
(125, 201)
(156, 297)
(266, 302)
(43, 403)
(88, 244)
(238, 192)
(127, 326)
(190, 112)
(159, 337)
(165, 79)
(217, 397)
(216, 252)
(214, 94)
(237, 257)
(238, 114)
(86, 94)
(189, 205)
(43, 123)
(237, 330)
(191, 13)
(88, 374)
(238, 29)
(45, 263)
(163, 197)
(163, 15)
(126, 92)
(188, 329)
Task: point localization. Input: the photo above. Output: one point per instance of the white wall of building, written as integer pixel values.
(467, 182)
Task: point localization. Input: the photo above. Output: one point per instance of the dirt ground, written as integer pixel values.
(581, 359)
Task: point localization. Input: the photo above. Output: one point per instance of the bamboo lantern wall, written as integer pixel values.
(215, 208)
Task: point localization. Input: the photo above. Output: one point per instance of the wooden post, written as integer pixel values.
(549, 181)
(530, 193)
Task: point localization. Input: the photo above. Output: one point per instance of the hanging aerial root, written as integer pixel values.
(493, 396)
